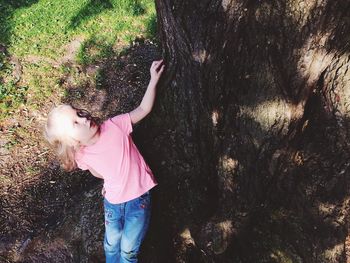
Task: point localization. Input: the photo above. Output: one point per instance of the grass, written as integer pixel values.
(94, 49)
(39, 32)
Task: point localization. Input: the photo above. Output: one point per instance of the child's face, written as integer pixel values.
(74, 128)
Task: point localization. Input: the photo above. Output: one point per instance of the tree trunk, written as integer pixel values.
(249, 136)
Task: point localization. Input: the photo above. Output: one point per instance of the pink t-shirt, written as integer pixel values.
(115, 156)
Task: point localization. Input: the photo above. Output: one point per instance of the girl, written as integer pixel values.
(108, 152)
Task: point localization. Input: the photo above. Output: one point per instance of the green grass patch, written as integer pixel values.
(93, 50)
(40, 32)
(11, 95)
(151, 27)
(44, 27)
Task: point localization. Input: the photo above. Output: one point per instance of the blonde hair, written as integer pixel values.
(64, 151)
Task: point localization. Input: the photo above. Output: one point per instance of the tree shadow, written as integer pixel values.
(151, 26)
(7, 8)
(91, 9)
(137, 8)
(95, 7)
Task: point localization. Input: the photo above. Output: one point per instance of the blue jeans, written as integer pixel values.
(125, 228)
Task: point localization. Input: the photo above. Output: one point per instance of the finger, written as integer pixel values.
(161, 70)
(158, 61)
(156, 64)
(159, 65)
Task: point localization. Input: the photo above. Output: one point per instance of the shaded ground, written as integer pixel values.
(41, 206)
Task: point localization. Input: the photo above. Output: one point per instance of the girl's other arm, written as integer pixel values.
(147, 102)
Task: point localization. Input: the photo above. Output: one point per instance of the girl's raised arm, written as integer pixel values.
(147, 102)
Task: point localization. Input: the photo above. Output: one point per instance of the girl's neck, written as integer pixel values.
(94, 138)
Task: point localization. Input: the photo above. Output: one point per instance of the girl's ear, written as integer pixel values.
(78, 144)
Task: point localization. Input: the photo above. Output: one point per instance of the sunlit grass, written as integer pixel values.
(38, 33)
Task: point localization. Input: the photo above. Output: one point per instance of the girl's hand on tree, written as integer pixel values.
(156, 70)
(147, 102)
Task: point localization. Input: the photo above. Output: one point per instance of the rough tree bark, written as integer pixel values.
(252, 153)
